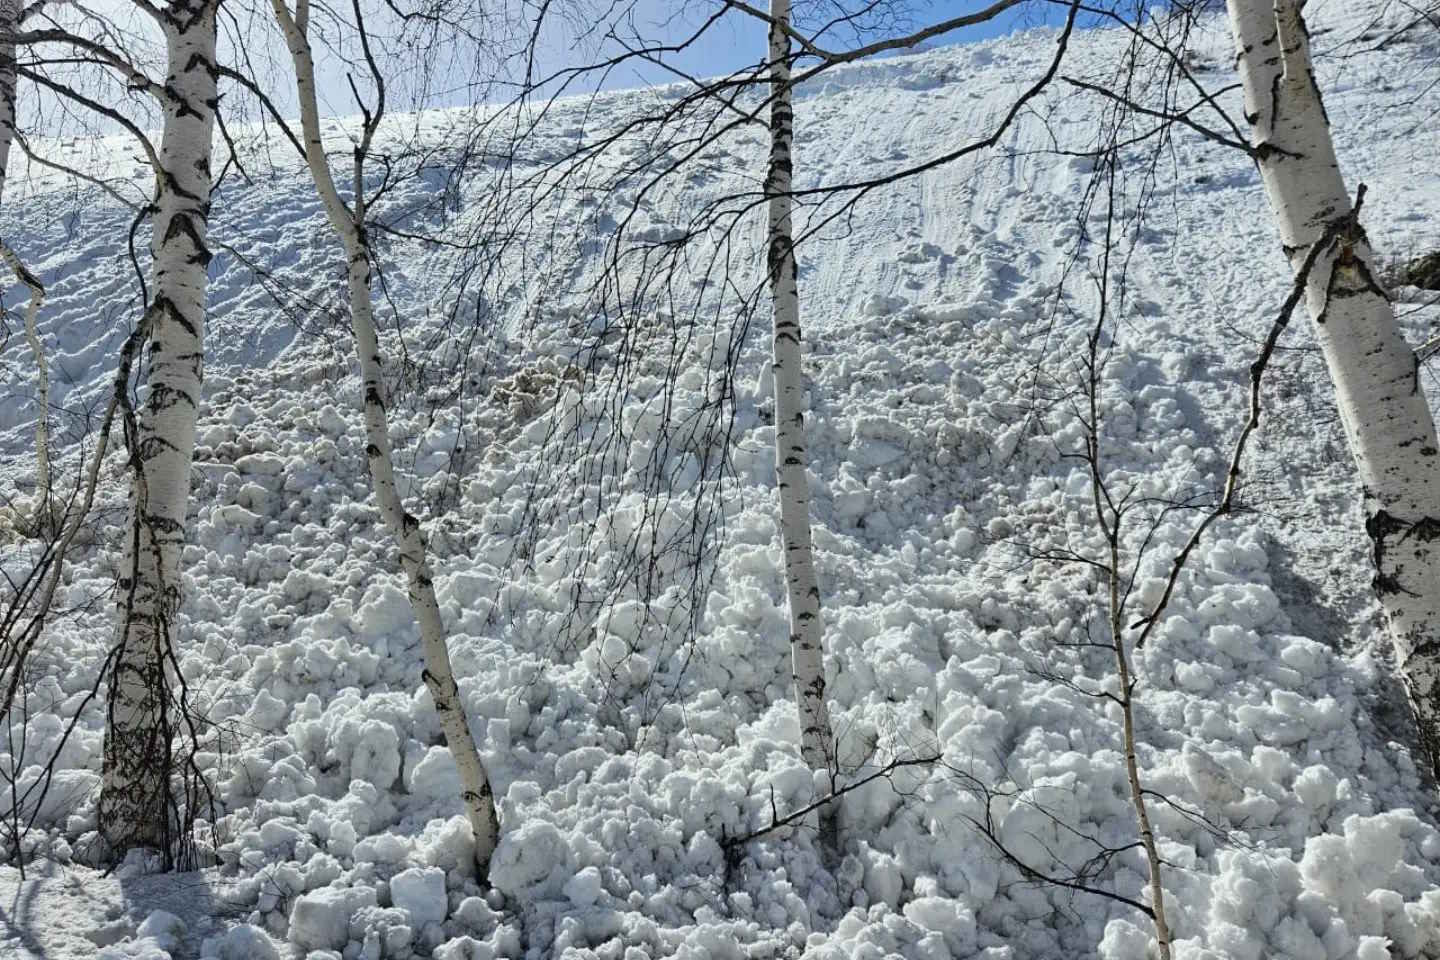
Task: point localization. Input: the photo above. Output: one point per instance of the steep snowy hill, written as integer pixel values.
(1297, 822)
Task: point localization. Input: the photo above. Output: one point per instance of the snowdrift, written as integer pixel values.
(626, 754)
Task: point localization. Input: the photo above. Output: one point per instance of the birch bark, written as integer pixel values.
(10, 15)
(135, 804)
(476, 793)
(817, 745)
(42, 504)
(1387, 419)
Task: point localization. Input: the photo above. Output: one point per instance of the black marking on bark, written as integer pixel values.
(154, 446)
(779, 251)
(1319, 100)
(1426, 529)
(1344, 231)
(162, 307)
(1275, 96)
(1386, 585)
(1423, 651)
(1381, 526)
(163, 525)
(1357, 236)
(163, 396)
(180, 226)
(182, 104)
(1268, 151)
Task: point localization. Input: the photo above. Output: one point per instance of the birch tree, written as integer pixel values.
(43, 485)
(349, 225)
(802, 586)
(11, 15)
(136, 809)
(1386, 416)
(658, 147)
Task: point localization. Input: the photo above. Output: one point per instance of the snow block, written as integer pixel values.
(421, 891)
(245, 942)
(321, 918)
(164, 928)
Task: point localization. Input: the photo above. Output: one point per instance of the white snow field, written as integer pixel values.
(624, 757)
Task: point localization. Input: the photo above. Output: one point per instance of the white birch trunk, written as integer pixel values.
(476, 793)
(806, 629)
(9, 23)
(135, 807)
(1386, 417)
(42, 505)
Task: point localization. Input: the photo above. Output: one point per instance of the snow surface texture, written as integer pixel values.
(1267, 704)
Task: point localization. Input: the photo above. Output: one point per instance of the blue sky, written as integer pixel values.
(734, 42)
(737, 40)
(571, 39)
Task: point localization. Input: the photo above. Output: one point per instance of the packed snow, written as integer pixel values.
(627, 758)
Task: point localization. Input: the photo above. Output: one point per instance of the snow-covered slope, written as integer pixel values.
(1270, 716)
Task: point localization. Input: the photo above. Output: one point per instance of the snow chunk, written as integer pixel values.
(268, 712)
(385, 610)
(585, 887)
(263, 464)
(373, 748)
(526, 856)
(421, 892)
(468, 948)
(161, 933)
(1316, 786)
(382, 848)
(880, 305)
(341, 842)
(383, 932)
(449, 845)
(245, 942)
(1329, 864)
(321, 918)
(947, 917)
(1208, 777)
(70, 790)
(164, 928)
(146, 949)
(435, 778)
(1124, 941)
(1373, 948)
(883, 879)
